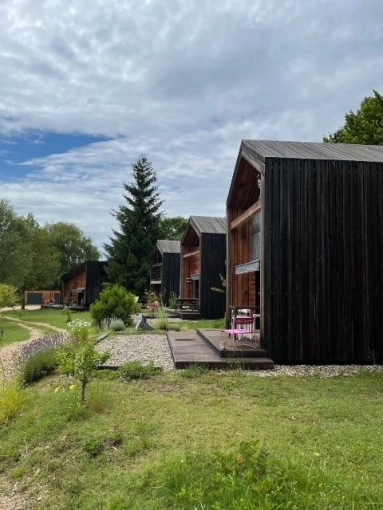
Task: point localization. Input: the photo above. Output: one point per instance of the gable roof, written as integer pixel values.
(208, 225)
(166, 246)
(256, 151)
(81, 268)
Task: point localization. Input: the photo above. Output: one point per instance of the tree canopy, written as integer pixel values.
(173, 228)
(33, 257)
(363, 127)
(73, 246)
(130, 248)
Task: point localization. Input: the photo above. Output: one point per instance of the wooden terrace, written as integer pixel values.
(214, 348)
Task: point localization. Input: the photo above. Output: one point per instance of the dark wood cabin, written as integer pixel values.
(203, 254)
(305, 245)
(82, 285)
(42, 297)
(165, 269)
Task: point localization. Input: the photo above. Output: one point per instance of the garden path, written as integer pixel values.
(7, 353)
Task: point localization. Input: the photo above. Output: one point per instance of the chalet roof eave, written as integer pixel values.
(205, 225)
(252, 159)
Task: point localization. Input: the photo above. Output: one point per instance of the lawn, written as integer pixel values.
(53, 317)
(11, 332)
(152, 444)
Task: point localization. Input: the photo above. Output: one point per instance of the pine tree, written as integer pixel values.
(129, 252)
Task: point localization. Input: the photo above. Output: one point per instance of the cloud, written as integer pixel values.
(183, 82)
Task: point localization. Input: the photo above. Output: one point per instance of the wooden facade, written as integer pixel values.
(305, 245)
(165, 269)
(203, 255)
(82, 285)
(42, 297)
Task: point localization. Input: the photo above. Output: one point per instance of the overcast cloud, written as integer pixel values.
(181, 81)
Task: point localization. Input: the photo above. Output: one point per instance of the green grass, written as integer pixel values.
(203, 324)
(52, 317)
(211, 441)
(12, 332)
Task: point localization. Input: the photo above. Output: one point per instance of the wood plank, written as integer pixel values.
(244, 217)
(190, 254)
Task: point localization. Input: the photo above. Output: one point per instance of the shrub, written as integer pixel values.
(37, 359)
(116, 325)
(79, 357)
(114, 301)
(136, 370)
(11, 399)
(39, 365)
(8, 295)
(161, 316)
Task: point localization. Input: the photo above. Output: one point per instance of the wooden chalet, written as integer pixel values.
(42, 297)
(165, 269)
(203, 254)
(305, 249)
(82, 285)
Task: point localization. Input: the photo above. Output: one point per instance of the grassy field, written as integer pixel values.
(151, 444)
(52, 317)
(11, 332)
(195, 439)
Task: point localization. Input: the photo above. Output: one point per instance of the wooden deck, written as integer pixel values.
(204, 348)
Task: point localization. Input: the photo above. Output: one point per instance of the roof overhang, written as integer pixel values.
(78, 290)
(249, 267)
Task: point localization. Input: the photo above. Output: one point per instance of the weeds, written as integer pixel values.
(137, 370)
(11, 397)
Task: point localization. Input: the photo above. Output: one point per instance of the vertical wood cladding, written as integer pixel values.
(90, 276)
(213, 255)
(324, 261)
(203, 260)
(170, 275)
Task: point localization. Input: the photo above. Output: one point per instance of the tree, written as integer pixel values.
(173, 229)
(80, 357)
(363, 127)
(8, 295)
(130, 249)
(74, 247)
(14, 251)
(44, 258)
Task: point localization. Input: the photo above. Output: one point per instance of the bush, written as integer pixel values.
(79, 357)
(37, 359)
(114, 301)
(117, 325)
(11, 399)
(40, 364)
(136, 370)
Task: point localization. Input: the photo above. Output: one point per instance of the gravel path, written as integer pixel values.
(8, 352)
(145, 348)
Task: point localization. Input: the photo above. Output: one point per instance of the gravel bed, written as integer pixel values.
(145, 348)
(154, 347)
(317, 370)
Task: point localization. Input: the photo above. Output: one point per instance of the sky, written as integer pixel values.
(87, 86)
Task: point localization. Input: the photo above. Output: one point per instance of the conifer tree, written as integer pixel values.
(130, 249)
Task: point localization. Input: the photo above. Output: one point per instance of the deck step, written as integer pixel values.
(191, 348)
(240, 348)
